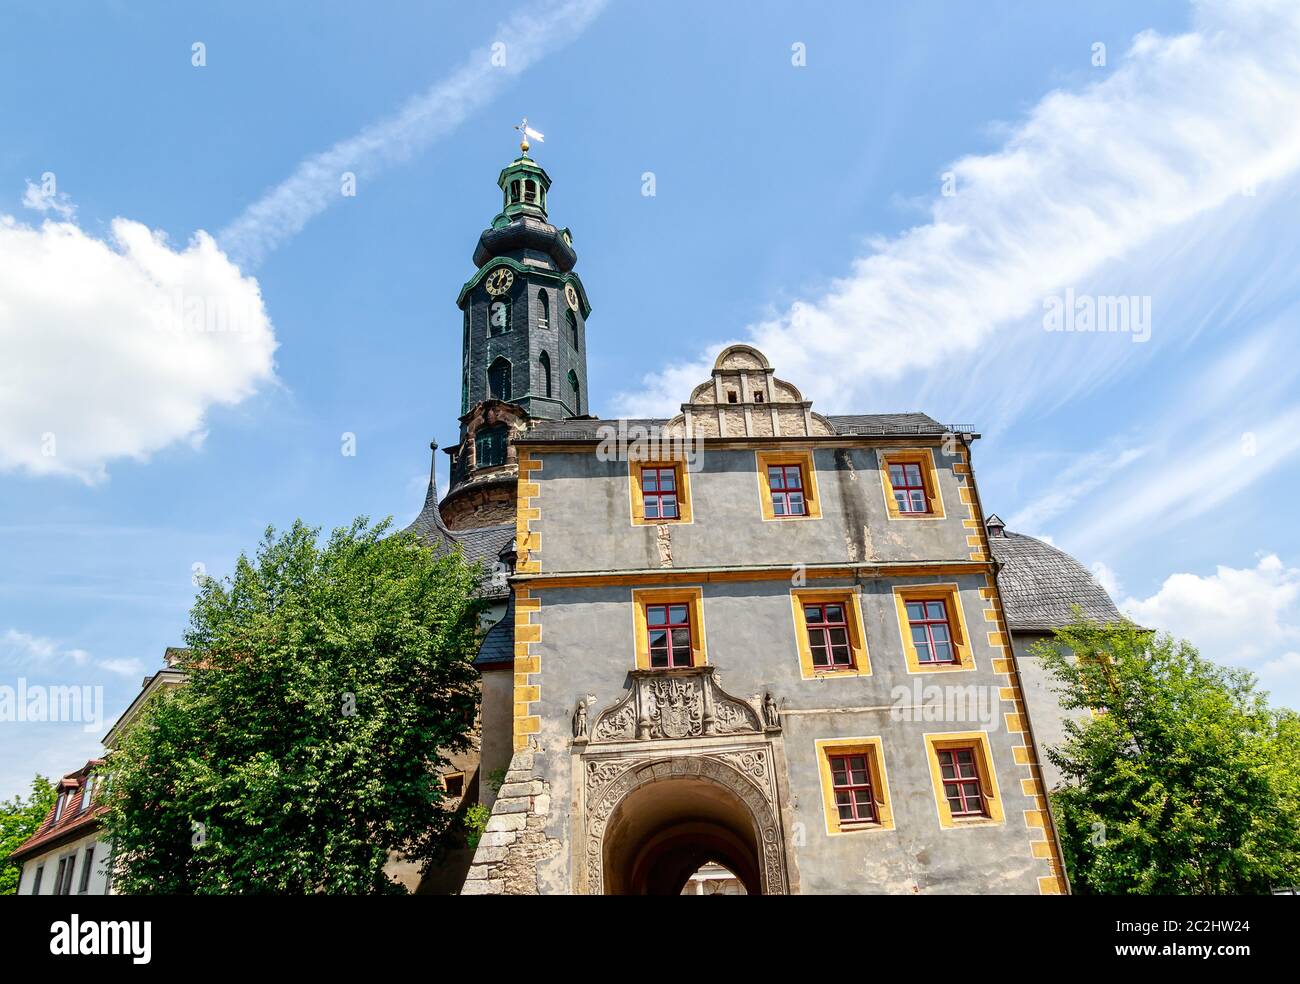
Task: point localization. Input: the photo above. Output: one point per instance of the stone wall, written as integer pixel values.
(515, 841)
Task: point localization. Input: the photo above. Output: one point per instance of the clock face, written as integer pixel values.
(499, 280)
(571, 295)
(497, 314)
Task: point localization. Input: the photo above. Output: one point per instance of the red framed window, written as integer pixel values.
(909, 488)
(659, 493)
(669, 629)
(931, 633)
(961, 782)
(851, 781)
(786, 483)
(828, 635)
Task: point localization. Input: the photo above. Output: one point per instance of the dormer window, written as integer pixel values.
(87, 791)
(59, 804)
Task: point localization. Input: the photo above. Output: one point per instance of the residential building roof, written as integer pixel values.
(77, 814)
(1040, 585)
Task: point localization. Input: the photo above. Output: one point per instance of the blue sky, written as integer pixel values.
(801, 207)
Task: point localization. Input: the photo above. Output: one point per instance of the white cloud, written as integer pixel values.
(1247, 617)
(1087, 179)
(118, 348)
(315, 185)
(23, 652)
(1106, 577)
(44, 198)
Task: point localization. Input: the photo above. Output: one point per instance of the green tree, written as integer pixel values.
(1180, 779)
(19, 819)
(326, 685)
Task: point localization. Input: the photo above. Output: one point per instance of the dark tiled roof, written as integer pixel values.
(869, 424)
(498, 646)
(72, 821)
(483, 544)
(582, 428)
(1040, 585)
(860, 424)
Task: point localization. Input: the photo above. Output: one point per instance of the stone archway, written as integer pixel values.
(651, 822)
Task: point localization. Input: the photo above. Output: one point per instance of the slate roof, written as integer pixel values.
(483, 543)
(498, 646)
(858, 424)
(1040, 584)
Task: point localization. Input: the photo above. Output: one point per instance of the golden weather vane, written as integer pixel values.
(527, 132)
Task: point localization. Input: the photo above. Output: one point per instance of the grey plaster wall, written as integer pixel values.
(1041, 698)
(587, 648)
(586, 516)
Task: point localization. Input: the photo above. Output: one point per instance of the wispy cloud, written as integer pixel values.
(1241, 617)
(1180, 128)
(25, 652)
(314, 186)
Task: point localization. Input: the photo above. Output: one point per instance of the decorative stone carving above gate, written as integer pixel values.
(680, 703)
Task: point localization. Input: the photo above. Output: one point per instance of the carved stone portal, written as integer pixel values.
(681, 725)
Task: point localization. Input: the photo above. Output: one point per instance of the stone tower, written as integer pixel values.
(523, 345)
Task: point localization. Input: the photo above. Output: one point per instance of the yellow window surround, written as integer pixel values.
(804, 459)
(924, 458)
(693, 598)
(951, 597)
(978, 741)
(871, 749)
(682, 480)
(848, 597)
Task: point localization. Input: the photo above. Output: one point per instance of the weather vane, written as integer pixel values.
(526, 132)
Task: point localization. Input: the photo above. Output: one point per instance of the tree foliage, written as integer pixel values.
(19, 819)
(1178, 778)
(326, 684)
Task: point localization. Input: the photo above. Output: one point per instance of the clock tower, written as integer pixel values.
(523, 345)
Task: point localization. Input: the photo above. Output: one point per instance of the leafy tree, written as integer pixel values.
(326, 685)
(1181, 779)
(19, 819)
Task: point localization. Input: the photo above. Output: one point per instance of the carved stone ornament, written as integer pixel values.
(680, 703)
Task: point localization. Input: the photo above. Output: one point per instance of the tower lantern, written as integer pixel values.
(523, 341)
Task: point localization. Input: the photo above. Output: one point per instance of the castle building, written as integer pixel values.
(750, 642)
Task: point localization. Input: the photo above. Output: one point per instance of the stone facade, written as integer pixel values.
(661, 770)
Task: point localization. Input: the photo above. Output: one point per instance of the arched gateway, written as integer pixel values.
(664, 793)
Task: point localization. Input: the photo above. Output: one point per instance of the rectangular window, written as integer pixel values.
(855, 789)
(931, 633)
(909, 487)
(36, 882)
(659, 493)
(963, 779)
(58, 807)
(786, 483)
(85, 870)
(961, 782)
(454, 783)
(851, 781)
(490, 447)
(911, 483)
(87, 791)
(933, 628)
(668, 639)
(828, 635)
